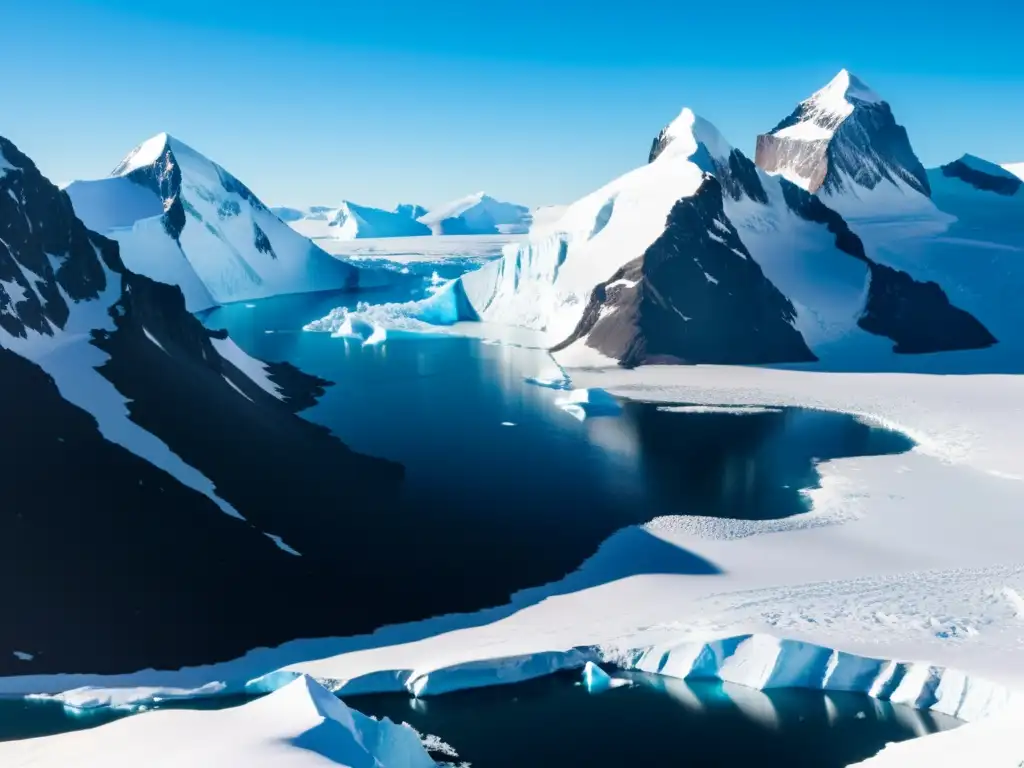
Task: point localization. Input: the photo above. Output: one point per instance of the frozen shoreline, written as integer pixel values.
(912, 557)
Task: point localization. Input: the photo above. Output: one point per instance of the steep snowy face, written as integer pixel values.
(1017, 169)
(844, 144)
(694, 295)
(477, 214)
(50, 264)
(215, 238)
(645, 268)
(700, 256)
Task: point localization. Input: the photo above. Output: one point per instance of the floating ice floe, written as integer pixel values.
(596, 680)
(587, 403)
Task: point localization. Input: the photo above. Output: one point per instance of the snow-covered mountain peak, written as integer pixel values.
(183, 219)
(146, 153)
(842, 93)
(687, 135)
(843, 143)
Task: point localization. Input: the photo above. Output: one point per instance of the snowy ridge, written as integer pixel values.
(477, 214)
(232, 248)
(1017, 169)
(300, 725)
(350, 221)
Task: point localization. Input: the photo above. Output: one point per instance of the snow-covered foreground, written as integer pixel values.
(300, 725)
(913, 558)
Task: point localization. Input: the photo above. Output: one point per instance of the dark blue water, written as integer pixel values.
(498, 508)
(554, 722)
(656, 723)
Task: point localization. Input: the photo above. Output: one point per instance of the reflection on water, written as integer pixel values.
(489, 509)
(656, 722)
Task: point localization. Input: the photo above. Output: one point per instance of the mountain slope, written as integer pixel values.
(149, 463)
(843, 143)
(700, 256)
(184, 220)
(478, 214)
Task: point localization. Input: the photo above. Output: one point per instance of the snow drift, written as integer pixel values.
(184, 220)
(300, 725)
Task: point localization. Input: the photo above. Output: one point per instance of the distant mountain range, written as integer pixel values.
(476, 214)
(834, 245)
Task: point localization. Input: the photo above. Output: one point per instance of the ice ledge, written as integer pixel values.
(756, 661)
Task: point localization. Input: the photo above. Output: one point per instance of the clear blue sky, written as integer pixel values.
(535, 101)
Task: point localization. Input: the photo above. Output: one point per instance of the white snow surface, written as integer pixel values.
(219, 241)
(350, 221)
(70, 358)
(250, 366)
(477, 249)
(1017, 169)
(887, 586)
(477, 214)
(299, 726)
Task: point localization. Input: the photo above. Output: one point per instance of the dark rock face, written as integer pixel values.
(917, 316)
(695, 296)
(119, 566)
(44, 250)
(261, 241)
(868, 147)
(1001, 185)
(737, 174)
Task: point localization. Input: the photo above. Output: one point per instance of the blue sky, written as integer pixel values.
(535, 101)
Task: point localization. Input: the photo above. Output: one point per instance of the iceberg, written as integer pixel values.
(585, 403)
(596, 680)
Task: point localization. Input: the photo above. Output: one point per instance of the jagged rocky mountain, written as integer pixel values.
(844, 144)
(350, 221)
(702, 257)
(152, 467)
(183, 220)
